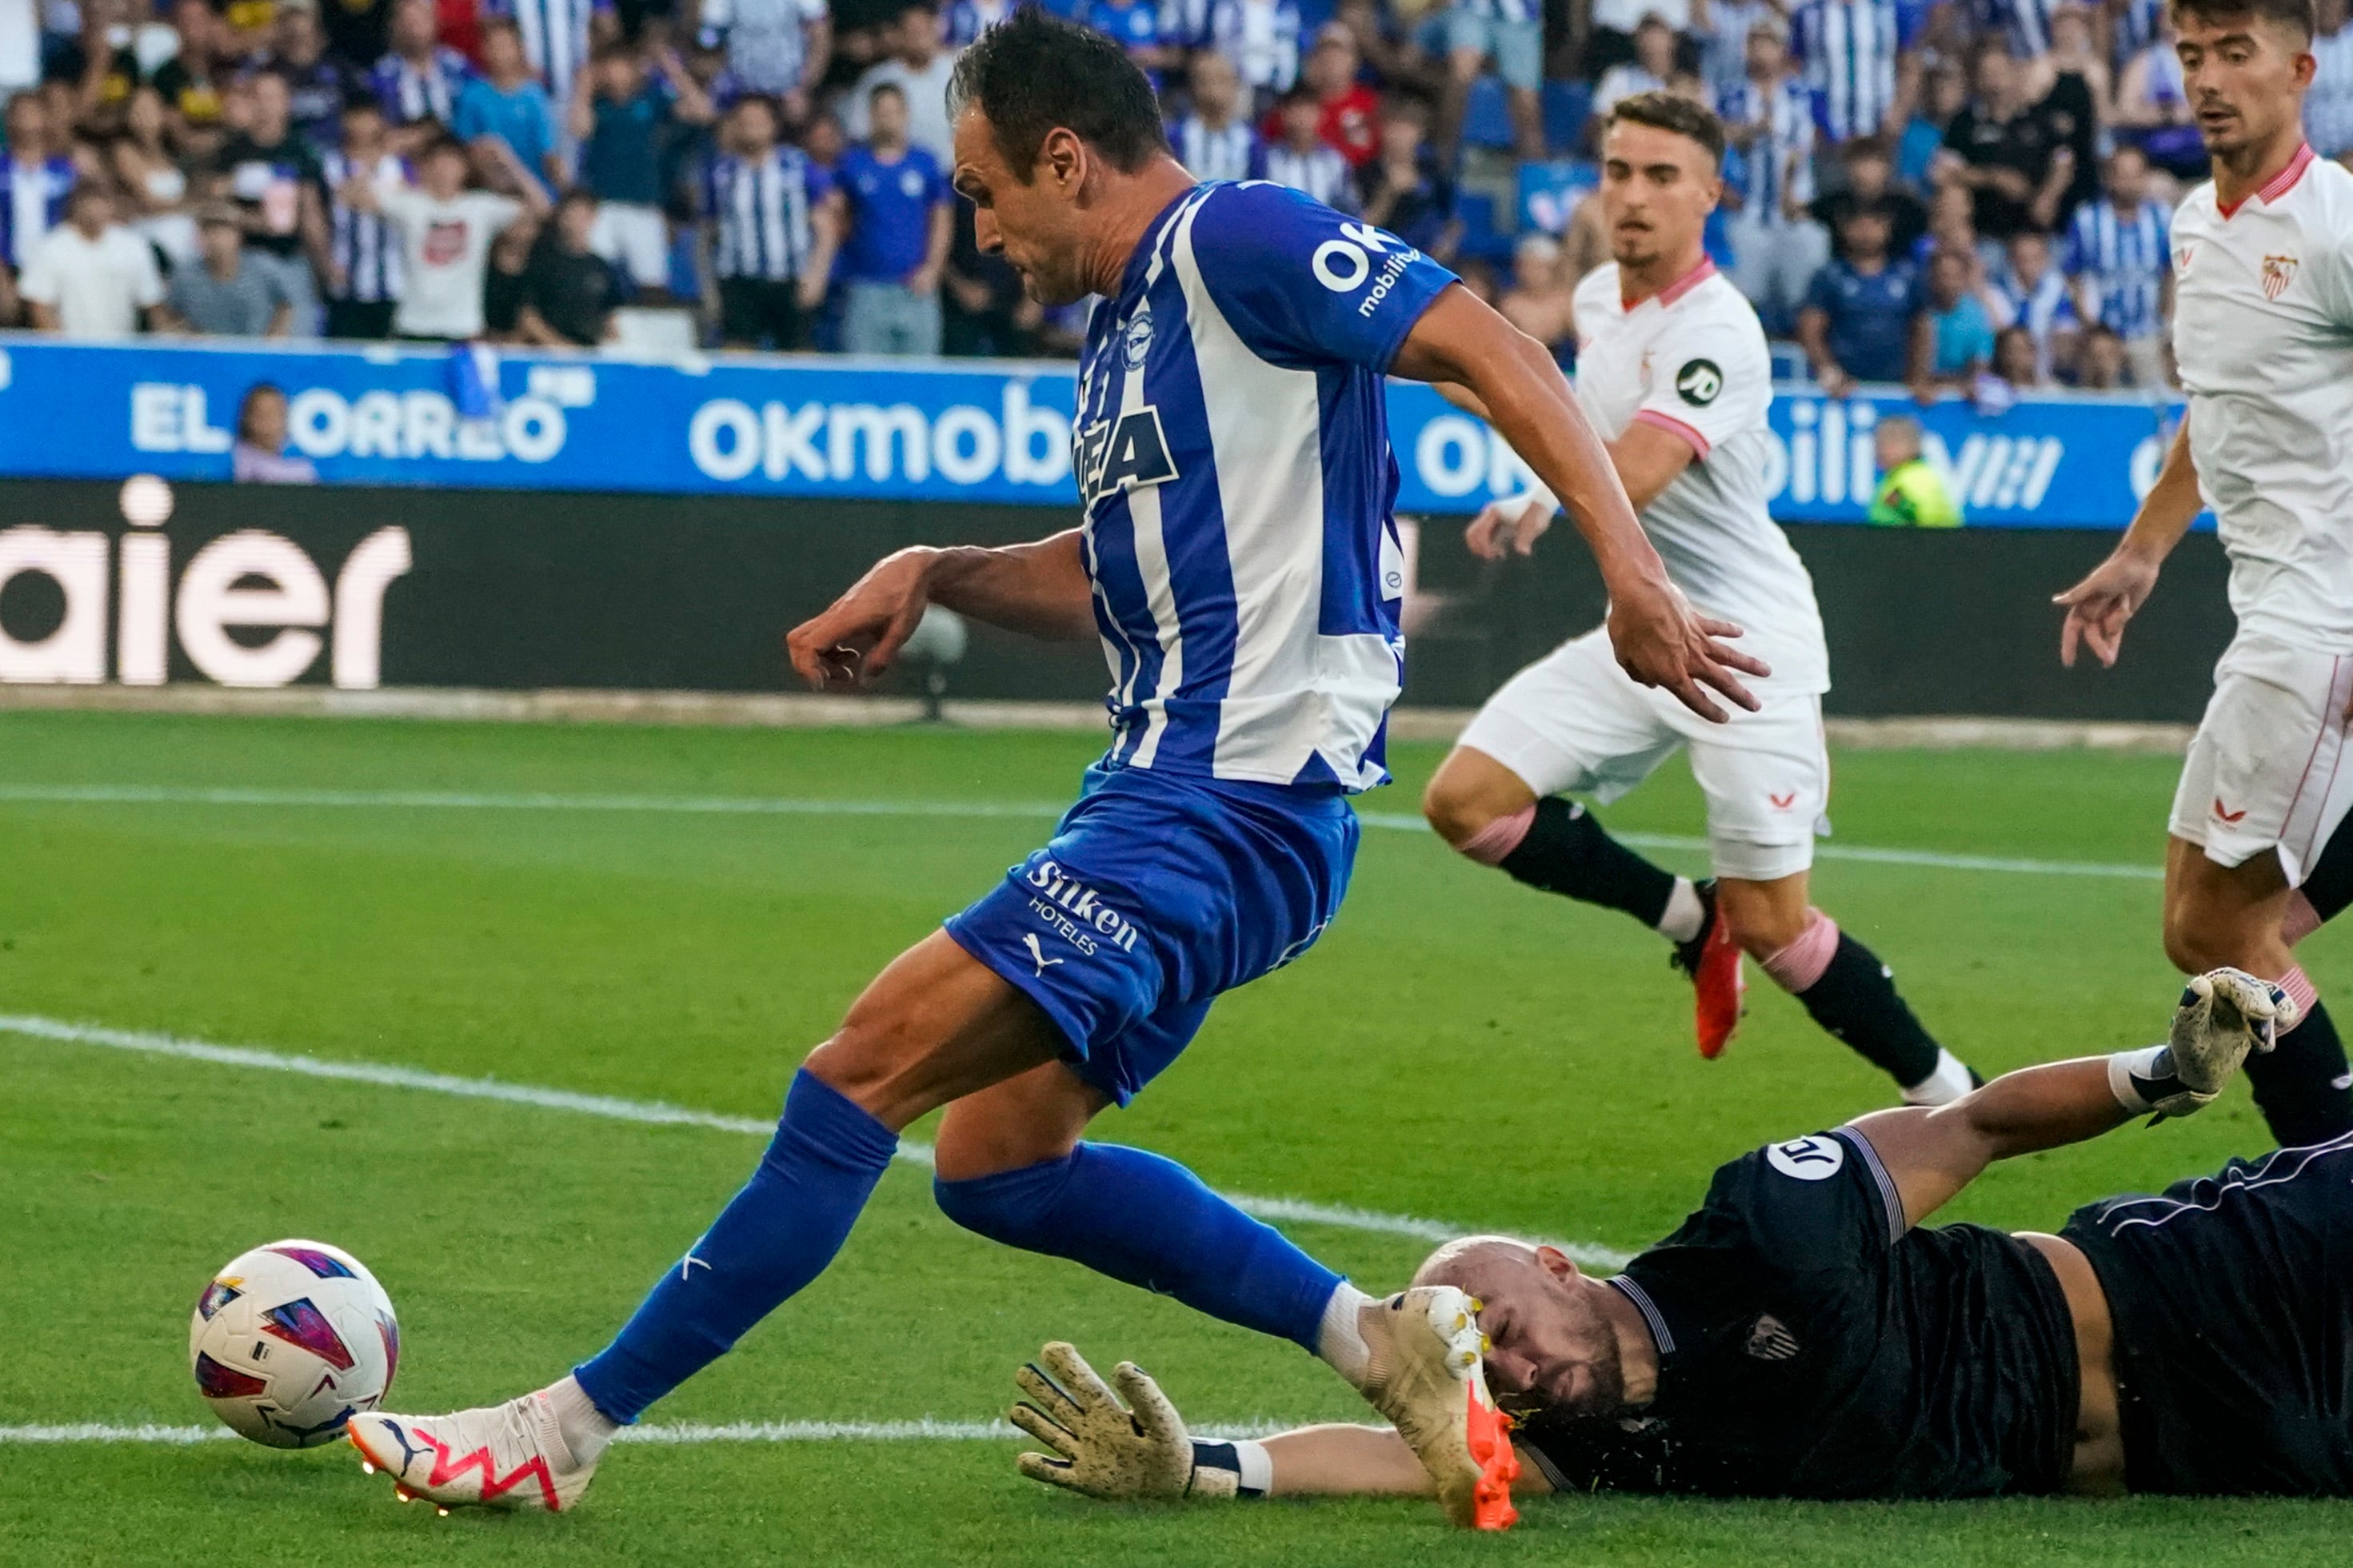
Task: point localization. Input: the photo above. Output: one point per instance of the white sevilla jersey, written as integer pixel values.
(2263, 329)
(1691, 359)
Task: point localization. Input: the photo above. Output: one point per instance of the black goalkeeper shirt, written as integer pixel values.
(1810, 1346)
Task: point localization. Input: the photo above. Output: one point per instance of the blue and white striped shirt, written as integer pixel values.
(32, 202)
(1847, 48)
(2127, 260)
(555, 36)
(410, 94)
(2024, 24)
(1262, 39)
(1234, 153)
(2042, 310)
(759, 211)
(1320, 172)
(364, 244)
(1785, 110)
(2137, 23)
(1723, 48)
(767, 40)
(1231, 449)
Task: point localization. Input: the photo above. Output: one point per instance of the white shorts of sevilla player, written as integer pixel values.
(2265, 769)
(1575, 723)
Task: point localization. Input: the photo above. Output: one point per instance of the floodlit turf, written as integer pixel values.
(1457, 1047)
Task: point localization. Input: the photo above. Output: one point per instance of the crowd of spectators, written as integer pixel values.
(1943, 193)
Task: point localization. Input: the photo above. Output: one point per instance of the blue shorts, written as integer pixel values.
(1156, 893)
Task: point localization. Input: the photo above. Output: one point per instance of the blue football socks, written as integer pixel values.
(1150, 1222)
(773, 1239)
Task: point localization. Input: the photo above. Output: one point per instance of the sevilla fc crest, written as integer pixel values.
(2279, 271)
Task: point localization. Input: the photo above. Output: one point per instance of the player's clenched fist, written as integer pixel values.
(855, 640)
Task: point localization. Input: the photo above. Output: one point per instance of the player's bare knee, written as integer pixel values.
(1456, 815)
(2191, 945)
(875, 1065)
(972, 1146)
(1765, 917)
(1470, 794)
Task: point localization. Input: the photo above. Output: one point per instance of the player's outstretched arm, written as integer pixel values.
(2098, 606)
(1041, 589)
(1140, 1448)
(1932, 1154)
(1659, 638)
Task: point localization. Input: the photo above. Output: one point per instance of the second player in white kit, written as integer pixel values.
(2264, 340)
(1673, 371)
(1690, 361)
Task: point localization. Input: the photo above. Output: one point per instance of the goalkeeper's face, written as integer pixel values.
(1553, 1347)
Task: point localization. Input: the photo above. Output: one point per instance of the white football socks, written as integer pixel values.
(1946, 1085)
(1686, 913)
(1341, 1341)
(585, 1429)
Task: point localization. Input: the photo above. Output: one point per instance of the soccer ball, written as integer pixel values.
(292, 1339)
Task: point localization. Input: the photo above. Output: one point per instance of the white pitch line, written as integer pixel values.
(1937, 859)
(654, 1112)
(664, 1434)
(777, 806)
(468, 800)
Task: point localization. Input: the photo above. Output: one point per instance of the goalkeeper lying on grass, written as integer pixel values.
(1798, 1337)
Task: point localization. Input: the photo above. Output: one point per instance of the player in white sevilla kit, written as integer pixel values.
(2264, 336)
(1673, 371)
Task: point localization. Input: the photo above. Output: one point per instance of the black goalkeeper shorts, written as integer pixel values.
(2232, 1297)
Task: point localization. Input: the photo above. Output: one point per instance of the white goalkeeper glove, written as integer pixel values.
(2224, 1014)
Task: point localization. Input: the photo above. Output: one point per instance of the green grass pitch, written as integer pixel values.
(1457, 1047)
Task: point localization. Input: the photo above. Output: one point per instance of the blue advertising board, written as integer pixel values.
(973, 431)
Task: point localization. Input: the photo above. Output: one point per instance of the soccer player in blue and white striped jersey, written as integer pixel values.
(2119, 255)
(775, 225)
(365, 276)
(1238, 562)
(1846, 50)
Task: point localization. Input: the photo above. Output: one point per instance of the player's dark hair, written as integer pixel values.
(1667, 112)
(1033, 73)
(2295, 15)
